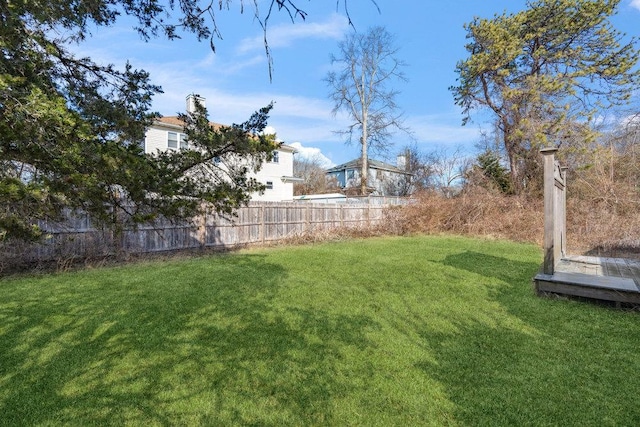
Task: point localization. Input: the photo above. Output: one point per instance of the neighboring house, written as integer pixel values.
(167, 133)
(383, 179)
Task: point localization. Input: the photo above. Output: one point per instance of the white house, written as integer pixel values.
(383, 178)
(167, 133)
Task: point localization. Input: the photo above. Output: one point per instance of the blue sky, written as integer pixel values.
(235, 80)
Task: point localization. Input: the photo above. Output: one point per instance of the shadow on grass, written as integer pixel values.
(512, 272)
(171, 345)
(534, 361)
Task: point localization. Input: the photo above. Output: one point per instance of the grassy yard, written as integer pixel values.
(385, 331)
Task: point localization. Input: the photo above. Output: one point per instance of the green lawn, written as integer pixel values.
(385, 331)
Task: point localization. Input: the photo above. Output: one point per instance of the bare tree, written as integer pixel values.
(314, 175)
(419, 172)
(367, 66)
(610, 172)
(446, 169)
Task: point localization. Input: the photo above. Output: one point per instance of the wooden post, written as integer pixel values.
(201, 232)
(262, 224)
(369, 216)
(563, 212)
(549, 209)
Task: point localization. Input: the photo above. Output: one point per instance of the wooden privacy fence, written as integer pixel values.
(257, 223)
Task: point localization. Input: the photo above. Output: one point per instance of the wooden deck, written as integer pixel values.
(599, 278)
(609, 279)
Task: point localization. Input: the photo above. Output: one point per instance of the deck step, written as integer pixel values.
(608, 288)
(613, 283)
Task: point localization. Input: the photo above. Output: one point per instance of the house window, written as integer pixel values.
(172, 140)
(269, 185)
(177, 140)
(351, 174)
(275, 157)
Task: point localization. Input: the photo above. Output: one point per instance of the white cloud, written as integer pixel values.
(444, 129)
(232, 68)
(630, 121)
(286, 35)
(312, 153)
(635, 4)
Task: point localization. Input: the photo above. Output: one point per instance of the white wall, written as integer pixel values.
(273, 172)
(156, 140)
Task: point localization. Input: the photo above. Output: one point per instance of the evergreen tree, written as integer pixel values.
(544, 73)
(497, 175)
(70, 129)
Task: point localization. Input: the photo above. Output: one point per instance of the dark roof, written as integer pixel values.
(373, 164)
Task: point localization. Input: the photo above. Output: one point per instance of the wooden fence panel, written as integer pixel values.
(259, 222)
(150, 239)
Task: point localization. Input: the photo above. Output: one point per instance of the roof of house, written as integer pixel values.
(176, 123)
(373, 164)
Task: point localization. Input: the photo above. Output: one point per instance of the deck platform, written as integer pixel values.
(609, 279)
(599, 278)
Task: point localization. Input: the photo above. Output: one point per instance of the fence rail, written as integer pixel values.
(257, 223)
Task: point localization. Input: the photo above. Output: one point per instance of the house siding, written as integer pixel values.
(274, 172)
(156, 141)
(156, 138)
(340, 178)
(379, 177)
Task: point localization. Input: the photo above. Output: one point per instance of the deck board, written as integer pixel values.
(589, 280)
(613, 279)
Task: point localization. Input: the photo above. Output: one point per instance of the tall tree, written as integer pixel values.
(69, 127)
(368, 65)
(544, 73)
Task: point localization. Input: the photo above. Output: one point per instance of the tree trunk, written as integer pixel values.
(364, 172)
(512, 153)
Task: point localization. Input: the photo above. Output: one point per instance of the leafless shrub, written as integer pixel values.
(594, 226)
(477, 212)
(334, 235)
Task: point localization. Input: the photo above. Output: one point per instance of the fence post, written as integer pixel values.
(563, 211)
(549, 209)
(262, 222)
(201, 233)
(369, 216)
